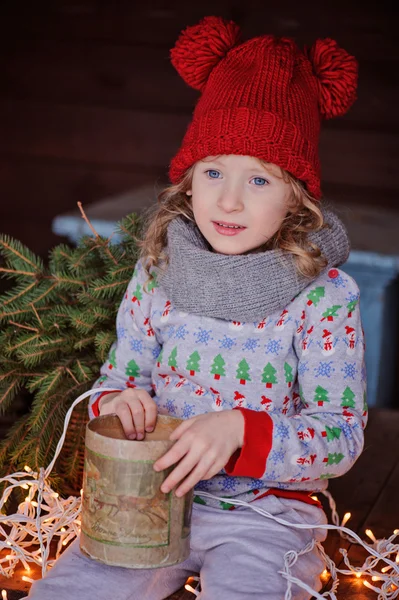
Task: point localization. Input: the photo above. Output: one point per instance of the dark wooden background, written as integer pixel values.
(90, 105)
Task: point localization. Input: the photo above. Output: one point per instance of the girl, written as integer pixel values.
(236, 322)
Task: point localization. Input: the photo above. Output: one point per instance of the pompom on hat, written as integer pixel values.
(263, 98)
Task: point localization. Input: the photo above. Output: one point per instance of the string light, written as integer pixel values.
(189, 587)
(371, 587)
(346, 518)
(385, 569)
(29, 535)
(371, 535)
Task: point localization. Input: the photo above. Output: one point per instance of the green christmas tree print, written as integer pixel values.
(334, 458)
(160, 357)
(172, 359)
(315, 296)
(193, 363)
(137, 295)
(227, 505)
(112, 359)
(348, 398)
(331, 312)
(365, 407)
(320, 396)
(217, 368)
(332, 433)
(289, 378)
(133, 370)
(199, 500)
(153, 283)
(269, 375)
(243, 372)
(351, 307)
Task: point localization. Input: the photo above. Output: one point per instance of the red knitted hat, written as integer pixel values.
(263, 98)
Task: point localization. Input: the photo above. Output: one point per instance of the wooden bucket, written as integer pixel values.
(126, 520)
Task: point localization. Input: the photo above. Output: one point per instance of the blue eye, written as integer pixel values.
(213, 174)
(260, 181)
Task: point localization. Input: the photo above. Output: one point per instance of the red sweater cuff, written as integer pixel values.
(95, 407)
(250, 460)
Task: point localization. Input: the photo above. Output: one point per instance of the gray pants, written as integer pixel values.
(237, 553)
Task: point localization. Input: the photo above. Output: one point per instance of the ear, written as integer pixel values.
(189, 193)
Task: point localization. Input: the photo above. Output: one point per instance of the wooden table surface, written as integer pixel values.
(369, 491)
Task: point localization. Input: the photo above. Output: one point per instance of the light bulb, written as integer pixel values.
(346, 518)
(371, 535)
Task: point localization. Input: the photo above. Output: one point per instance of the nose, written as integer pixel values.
(230, 200)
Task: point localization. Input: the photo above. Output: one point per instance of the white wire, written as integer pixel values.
(29, 527)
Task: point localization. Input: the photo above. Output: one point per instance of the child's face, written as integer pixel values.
(238, 190)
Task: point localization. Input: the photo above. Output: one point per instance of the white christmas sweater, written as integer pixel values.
(297, 376)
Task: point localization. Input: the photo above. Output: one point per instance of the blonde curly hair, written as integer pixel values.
(303, 217)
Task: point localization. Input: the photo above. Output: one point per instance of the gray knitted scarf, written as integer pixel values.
(245, 287)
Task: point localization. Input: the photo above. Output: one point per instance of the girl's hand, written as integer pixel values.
(135, 408)
(204, 445)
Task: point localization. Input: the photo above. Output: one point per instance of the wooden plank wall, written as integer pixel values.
(90, 105)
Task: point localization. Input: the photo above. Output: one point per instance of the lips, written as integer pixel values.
(228, 228)
(229, 225)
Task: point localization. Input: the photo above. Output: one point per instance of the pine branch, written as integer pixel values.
(8, 393)
(57, 324)
(15, 252)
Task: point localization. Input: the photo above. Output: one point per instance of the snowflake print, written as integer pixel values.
(272, 475)
(204, 485)
(303, 367)
(121, 332)
(256, 484)
(364, 373)
(251, 344)
(347, 430)
(188, 410)
(181, 332)
(353, 454)
(338, 282)
(169, 331)
(155, 352)
(324, 369)
(203, 335)
(349, 370)
(277, 456)
(136, 345)
(170, 407)
(282, 486)
(282, 431)
(273, 347)
(351, 297)
(229, 484)
(227, 343)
